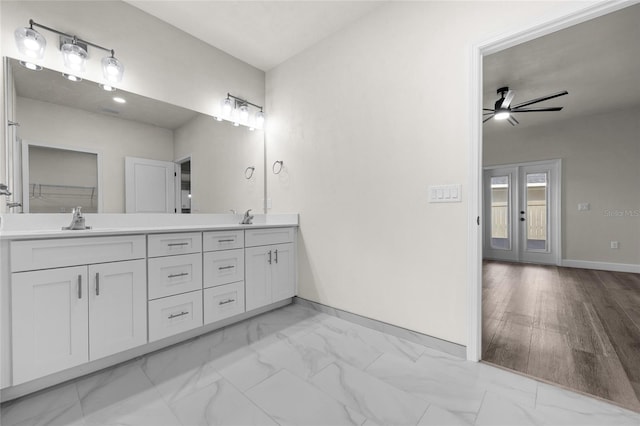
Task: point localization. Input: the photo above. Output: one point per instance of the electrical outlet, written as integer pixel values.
(615, 244)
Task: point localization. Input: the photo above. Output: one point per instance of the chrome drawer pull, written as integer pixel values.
(224, 302)
(172, 316)
(220, 268)
(276, 260)
(79, 286)
(177, 244)
(226, 241)
(182, 274)
(97, 284)
(269, 257)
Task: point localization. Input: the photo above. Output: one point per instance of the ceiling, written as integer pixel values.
(261, 33)
(597, 62)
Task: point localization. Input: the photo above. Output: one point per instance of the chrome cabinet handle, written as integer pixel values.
(97, 283)
(220, 268)
(79, 286)
(172, 316)
(276, 256)
(269, 257)
(177, 244)
(230, 240)
(224, 302)
(182, 274)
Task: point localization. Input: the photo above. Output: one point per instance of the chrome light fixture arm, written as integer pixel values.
(75, 39)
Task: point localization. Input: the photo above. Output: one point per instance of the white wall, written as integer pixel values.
(365, 121)
(56, 125)
(224, 152)
(600, 166)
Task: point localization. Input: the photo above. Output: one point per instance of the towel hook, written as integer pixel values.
(248, 172)
(273, 167)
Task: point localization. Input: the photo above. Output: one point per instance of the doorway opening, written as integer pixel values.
(185, 185)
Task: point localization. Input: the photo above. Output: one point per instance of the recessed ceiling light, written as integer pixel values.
(119, 100)
(72, 77)
(107, 87)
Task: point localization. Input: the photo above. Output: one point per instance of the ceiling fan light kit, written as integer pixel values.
(503, 110)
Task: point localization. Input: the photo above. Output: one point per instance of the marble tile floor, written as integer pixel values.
(296, 366)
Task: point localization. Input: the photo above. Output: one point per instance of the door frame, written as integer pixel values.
(541, 27)
(555, 209)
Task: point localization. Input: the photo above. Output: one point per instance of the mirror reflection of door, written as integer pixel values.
(522, 204)
(185, 185)
(56, 180)
(150, 186)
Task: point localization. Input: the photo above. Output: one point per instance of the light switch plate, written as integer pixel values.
(445, 193)
(583, 207)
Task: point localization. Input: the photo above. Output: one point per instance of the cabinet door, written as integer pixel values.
(257, 277)
(117, 307)
(49, 321)
(282, 272)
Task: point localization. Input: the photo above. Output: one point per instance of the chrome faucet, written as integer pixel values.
(77, 221)
(247, 219)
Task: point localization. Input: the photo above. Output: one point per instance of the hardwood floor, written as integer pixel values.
(576, 327)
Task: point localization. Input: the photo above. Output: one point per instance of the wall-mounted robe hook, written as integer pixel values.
(13, 123)
(248, 172)
(277, 167)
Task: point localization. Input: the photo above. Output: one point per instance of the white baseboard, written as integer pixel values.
(604, 266)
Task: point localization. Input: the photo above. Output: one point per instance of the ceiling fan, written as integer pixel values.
(503, 110)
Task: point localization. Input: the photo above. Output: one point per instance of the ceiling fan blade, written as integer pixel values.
(487, 119)
(487, 109)
(544, 98)
(512, 120)
(508, 98)
(537, 109)
(487, 113)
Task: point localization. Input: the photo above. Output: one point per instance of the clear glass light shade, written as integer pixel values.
(30, 43)
(259, 119)
(112, 69)
(244, 113)
(227, 107)
(74, 56)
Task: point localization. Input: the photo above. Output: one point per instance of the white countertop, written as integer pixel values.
(31, 226)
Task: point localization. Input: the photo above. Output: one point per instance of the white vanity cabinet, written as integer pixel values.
(175, 283)
(270, 266)
(65, 316)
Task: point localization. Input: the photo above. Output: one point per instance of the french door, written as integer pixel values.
(522, 211)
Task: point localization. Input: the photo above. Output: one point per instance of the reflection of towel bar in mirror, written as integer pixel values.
(44, 189)
(248, 172)
(277, 167)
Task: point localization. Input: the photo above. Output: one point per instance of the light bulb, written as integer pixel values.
(503, 115)
(30, 42)
(226, 107)
(260, 119)
(112, 69)
(30, 65)
(244, 113)
(74, 56)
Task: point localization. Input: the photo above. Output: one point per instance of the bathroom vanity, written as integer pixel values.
(74, 302)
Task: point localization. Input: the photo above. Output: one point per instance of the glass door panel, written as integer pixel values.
(500, 227)
(537, 212)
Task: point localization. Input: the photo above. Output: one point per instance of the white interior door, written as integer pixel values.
(522, 207)
(149, 186)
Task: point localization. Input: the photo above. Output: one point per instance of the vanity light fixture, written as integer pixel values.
(31, 65)
(237, 109)
(74, 50)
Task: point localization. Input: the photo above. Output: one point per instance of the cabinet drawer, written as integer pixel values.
(175, 314)
(170, 244)
(264, 237)
(222, 240)
(223, 302)
(55, 253)
(223, 267)
(173, 275)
